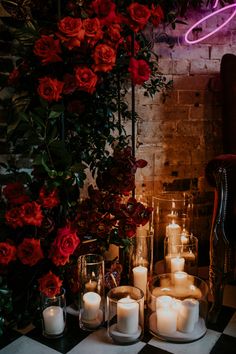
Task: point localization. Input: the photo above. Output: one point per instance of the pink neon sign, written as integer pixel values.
(215, 13)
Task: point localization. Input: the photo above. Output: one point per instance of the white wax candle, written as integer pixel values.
(180, 279)
(177, 264)
(164, 301)
(166, 320)
(91, 305)
(173, 232)
(127, 315)
(188, 315)
(53, 318)
(140, 278)
(91, 285)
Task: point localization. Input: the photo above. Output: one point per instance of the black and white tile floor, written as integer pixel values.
(219, 339)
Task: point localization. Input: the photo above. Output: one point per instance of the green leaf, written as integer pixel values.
(53, 115)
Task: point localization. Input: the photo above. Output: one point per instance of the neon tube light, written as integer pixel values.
(190, 41)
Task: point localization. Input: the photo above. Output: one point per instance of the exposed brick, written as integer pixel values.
(201, 66)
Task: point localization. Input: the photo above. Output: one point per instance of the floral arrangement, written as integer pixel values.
(67, 108)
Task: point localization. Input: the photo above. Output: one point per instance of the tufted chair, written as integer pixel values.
(221, 174)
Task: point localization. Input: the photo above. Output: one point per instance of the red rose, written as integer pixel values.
(139, 15)
(93, 30)
(86, 79)
(157, 15)
(139, 71)
(69, 84)
(65, 242)
(50, 89)
(105, 10)
(50, 284)
(58, 259)
(48, 198)
(7, 253)
(127, 228)
(128, 46)
(15, 193)
(47, 49)
(32, 213)
(71, 31)
(14, 217)
(114, 35)
(104, 58)
(29, 251)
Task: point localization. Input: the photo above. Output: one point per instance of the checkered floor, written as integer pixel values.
(219, 339)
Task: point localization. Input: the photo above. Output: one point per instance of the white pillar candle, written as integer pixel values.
(173, 231)
(91, 305)
(91, 285)
(188, 315)
(166, 320)
(180, 279)
(164, 301)
(53, 318)
(140, 278)
(127, 316)
(177, 264)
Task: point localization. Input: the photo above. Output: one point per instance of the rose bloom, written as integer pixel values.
(47, 49)
(139, 71)
(114, 36)
(65, 242)
(50, 89)
(58, 259)
(29, 251)
(48, 198)
(104, 58)
(71, 31)
(50, 284)
(139, 15)
(86, 79)
(14, 217)
(69, 84)
(105, 10)
(93, 31)
(32, 213)
(7, 253)
(15, 193)
(157, 15)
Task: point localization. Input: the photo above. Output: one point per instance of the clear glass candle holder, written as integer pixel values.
(141, 259)
(172, 215)
(54, 315)
(125, 314)
(177, 307)
(181, 256)
(91, 294)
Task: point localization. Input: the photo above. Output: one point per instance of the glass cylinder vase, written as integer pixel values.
(125, 314)
(177, 307)
(172, 215)
(54, 315)
(91, 295)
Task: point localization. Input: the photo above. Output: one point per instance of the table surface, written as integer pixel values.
(219, 338)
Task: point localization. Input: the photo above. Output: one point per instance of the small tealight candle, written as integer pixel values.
(127, 316)
(91, 305)
(91, 285)
(140, 278)
(177, 264)
(53, 318)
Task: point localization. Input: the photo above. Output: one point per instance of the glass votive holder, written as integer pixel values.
(181, 256)
(177, 307)
(91, 294)
(141, 259)
(54, 315)
(125, 314)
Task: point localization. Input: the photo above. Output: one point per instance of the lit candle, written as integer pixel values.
(127, 316)
(173, 231)
(53, 318)
(188, 315)
(91, 285)
(166, 320)
(184, 238)
(91, 306)
(180, 279)
(140, 278)
(164, 301)
(177, 264)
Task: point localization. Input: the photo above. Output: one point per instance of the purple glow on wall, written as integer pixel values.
(215, 13)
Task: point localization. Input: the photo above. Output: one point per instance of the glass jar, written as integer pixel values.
(125, 314)
(177, 307)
